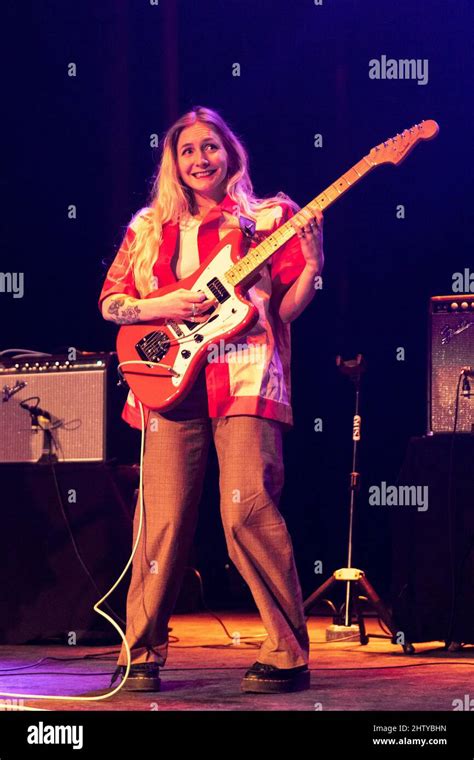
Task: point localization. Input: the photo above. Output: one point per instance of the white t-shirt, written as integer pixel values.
(188, 241)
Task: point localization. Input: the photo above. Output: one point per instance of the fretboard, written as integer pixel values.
(256, 257)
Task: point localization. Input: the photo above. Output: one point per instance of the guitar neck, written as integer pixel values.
(258, 256)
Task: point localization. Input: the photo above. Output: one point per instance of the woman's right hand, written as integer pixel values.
(179, 305)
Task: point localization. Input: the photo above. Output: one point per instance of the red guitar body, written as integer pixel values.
(166, 355)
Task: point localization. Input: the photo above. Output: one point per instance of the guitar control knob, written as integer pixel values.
(185, 353)
(198, 338)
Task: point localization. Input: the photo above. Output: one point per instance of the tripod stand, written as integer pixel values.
(355, 579)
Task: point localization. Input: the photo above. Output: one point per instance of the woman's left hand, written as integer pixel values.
(310, 235)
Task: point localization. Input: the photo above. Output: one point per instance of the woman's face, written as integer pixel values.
(202, 161)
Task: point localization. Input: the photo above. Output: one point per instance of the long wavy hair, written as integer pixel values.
(172, 200)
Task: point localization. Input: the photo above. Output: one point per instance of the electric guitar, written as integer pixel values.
(161, 359)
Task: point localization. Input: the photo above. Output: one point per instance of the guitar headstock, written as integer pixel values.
(395, 149)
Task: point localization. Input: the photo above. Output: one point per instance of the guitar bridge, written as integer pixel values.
(153, 347)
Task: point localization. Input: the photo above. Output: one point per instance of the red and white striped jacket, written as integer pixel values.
(255, 376)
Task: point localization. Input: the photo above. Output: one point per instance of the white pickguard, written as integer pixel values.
(227, 314)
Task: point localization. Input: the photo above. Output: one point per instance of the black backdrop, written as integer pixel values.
(85, 140)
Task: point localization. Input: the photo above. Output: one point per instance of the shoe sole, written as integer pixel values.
(142, 684)
(269, 686)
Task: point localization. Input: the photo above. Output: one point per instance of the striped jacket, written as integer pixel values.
(254, 377)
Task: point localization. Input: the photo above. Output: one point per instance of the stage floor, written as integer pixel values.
(205, 666)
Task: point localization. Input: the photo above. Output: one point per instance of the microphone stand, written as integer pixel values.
(352, 576)
(42, 420)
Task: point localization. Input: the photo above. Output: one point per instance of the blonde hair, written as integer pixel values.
(172, 200)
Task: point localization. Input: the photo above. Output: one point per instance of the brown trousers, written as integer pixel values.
(249, 451)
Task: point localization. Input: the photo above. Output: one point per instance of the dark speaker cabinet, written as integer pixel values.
(45, 592)
(433, 550)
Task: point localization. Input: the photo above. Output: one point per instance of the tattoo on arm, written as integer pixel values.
(124, 316)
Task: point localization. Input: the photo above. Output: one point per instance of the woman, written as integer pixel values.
(201, 192)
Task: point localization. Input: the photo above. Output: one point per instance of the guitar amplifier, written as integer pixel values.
(451, 348)
(73, 394)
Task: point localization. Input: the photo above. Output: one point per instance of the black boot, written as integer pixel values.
(268, 679)
(142, 677)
